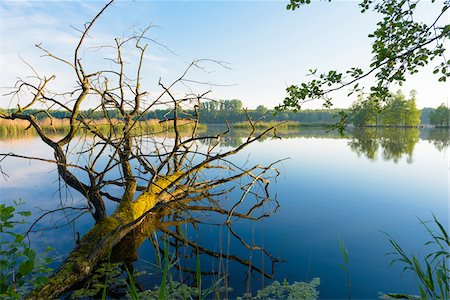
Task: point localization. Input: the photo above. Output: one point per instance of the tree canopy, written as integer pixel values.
(402, 44)
(396, 111)
(440, 116)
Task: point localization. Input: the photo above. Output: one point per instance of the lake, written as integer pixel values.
(355, 188)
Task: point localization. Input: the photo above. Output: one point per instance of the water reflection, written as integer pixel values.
(313, 212)
(439, 138)
(236, 136)
(221, 194)
(392, 143)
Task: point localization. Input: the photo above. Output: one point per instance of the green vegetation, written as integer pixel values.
(275, 291)
(399, 111)
(285, 291)
(209, 112)
(436, 116)
(365, 113)
(399, 48)
(231, 111)
(107, 280)
(344, 254)
(106, 276)
(20, 128)
(21, 269)
(395, 111)
(440, 117)
(433, 268)
(402, 44)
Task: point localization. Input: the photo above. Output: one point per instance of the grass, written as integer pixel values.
(132, 289)
(20, 128)
(198, 273)
(162, 290)
(344, 254)
(432, 269)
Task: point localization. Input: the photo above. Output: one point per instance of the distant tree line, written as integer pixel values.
(214, 112)
(396, 111)
(232, 111)
(440, 116)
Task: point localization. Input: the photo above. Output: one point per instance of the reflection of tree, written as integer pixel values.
(364, 142)
(394, 143)
(237, 136)
(440, 138)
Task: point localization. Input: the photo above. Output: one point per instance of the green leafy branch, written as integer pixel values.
(400, 46)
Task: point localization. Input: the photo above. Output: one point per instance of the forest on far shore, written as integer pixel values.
(397, 110)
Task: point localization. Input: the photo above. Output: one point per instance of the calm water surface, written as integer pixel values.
(353, 188)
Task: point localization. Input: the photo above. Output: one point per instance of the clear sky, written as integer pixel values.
(266, 46)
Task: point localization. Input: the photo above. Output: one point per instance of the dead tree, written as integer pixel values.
(159, 174)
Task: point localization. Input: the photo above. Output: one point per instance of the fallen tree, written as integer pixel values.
(149, 175)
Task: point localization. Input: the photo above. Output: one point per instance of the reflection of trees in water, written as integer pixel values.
(394, 143)
(364, 143)
(439, 137)
(237, 136)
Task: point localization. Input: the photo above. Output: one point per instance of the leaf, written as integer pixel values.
(29, 253)
(132, 290)
(24, 213)
(19, 238)
(6, 212)
(343, 251)
(446, 29)
(26, 267)
(444, 233)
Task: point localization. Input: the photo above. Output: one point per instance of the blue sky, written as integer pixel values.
(267, 47)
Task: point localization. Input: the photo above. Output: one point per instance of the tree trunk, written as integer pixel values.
(97, 244)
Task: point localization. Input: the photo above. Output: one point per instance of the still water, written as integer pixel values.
(355, 188)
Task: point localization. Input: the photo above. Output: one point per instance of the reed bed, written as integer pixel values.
(20, 128)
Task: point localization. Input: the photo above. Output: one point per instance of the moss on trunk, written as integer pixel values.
(97, 244)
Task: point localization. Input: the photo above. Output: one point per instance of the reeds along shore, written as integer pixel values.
(20, 128)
